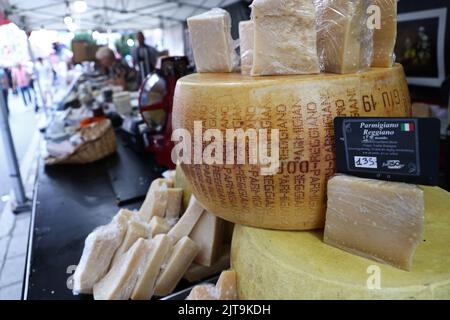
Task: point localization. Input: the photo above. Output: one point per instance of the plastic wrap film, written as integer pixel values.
(212, 44)
(246, 30)
(285, 37)
(345, 42)
(385, 36)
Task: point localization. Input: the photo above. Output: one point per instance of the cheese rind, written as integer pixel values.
(119, 282)
(175, 267)
(376, 219)
(99, 249)
(213, 47)
(145, 286)
(285, 39)
(345, 43)
(306, 268)
(208, 235)
(246, 31)
(302, 108)
(384, 39)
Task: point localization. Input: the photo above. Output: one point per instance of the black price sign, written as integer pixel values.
(397, 149)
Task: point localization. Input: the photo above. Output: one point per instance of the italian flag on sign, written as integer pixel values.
(407, 127)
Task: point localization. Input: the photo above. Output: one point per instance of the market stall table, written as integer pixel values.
(70, 202)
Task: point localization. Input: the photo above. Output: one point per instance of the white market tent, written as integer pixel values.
(103, 15)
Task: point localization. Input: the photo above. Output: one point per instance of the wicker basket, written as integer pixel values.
(99, 142)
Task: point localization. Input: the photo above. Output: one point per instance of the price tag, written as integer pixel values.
(397, 149)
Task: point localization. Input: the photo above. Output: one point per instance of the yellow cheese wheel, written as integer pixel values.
(302, 108)
(298, 265)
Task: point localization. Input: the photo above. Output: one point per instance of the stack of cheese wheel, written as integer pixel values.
(302, 108)
(277, 252)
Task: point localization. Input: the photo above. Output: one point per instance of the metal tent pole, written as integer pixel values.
(21, 203)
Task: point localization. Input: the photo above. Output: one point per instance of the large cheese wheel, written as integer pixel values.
(303, 109)
(298, 265)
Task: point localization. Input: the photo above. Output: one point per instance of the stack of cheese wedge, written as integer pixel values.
(143, 254)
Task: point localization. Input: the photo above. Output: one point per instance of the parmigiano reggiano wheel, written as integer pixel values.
(299, 265)
(303, 109)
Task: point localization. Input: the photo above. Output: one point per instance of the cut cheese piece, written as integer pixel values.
(298, 265)
(135, 230)
(384, 38)
(159, 225)
(119, 282)
(173, 270)
(203, 292)
(187, 222)
(156, 201)
(213, 47)
(302, 108)
(246, 30)
(182, 183)
(376, 219)
(98, 252)
(145, 285)
(197, 272)
(174, 198)
(225, 289)
(208, 235)
(285, 39)
(226, 285)
(344, 40)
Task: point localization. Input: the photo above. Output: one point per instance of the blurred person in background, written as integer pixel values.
(4, 86)
(45, 75)
(118, 71)
(144, 57)
(21, 81)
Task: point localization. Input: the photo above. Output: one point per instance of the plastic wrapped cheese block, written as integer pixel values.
(246, 30)
(345, 42)
(285, 39)
(159, 225)
(99, 249)
(213, 47)
(119, 282)
(385, 37)
(376, 219)
(145, 286)
(173, 269)
(289, 194)
(299, 265)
